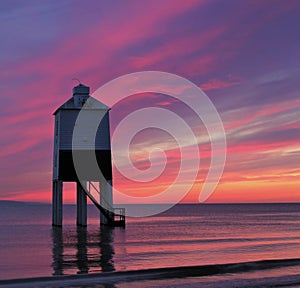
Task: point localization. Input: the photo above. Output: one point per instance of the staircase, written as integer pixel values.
(114, 216)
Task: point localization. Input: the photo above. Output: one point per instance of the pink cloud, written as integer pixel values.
(244, 115)
(69, 56)
(214, 83)
(180, 47)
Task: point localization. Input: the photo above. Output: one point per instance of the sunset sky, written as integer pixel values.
(243, 54)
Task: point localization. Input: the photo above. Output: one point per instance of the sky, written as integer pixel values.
(243, 54)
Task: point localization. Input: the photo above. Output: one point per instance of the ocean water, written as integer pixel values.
(186, 235)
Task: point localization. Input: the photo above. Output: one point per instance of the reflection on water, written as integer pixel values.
(57, 250)
(81, 251)
(107, 250)
(185, 235)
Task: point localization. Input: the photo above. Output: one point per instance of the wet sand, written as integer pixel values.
(110, 278)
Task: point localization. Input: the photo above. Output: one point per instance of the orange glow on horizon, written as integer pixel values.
(229, 192)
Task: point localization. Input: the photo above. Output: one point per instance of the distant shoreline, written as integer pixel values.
(227, 203)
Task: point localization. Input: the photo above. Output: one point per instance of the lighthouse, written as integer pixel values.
(85, 161)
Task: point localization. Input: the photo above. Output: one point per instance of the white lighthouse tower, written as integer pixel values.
(90, 183)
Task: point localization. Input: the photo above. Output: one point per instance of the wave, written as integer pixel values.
(258, 240)
(151, 274)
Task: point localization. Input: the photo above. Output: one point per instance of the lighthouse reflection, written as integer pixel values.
(82, 251)
(82, 262)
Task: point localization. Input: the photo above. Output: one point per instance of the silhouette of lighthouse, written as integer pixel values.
(90, 183)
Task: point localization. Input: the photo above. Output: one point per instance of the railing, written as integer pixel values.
(119, 213)
(115, 216)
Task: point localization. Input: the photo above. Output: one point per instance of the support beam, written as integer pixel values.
(106, 200)
(57, 210)
(81, 206)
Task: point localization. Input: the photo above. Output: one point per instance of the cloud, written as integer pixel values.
(45, 46)
(218, 84)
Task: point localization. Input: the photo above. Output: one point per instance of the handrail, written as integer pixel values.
(109, 212)
(102, 198)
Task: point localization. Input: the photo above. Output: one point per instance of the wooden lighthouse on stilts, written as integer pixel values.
(90, 183)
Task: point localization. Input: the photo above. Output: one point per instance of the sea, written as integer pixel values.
(185, 235)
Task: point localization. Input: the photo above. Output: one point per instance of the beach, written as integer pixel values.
(225, 275)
